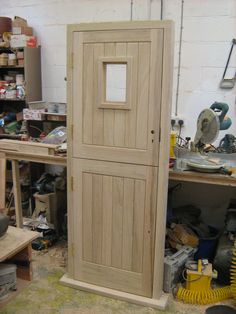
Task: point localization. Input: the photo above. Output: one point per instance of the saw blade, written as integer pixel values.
(208, 126)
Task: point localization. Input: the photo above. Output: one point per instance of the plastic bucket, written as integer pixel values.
(207, 246)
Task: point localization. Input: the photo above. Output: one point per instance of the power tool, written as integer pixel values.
(210, 122)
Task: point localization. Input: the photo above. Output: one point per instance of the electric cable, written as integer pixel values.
(214, 295)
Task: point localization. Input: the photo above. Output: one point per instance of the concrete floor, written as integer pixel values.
(45, 295)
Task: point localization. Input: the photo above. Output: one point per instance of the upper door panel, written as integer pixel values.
(117, 94)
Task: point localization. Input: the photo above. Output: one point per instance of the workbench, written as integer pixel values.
(15, 246)
(200, 177)
(15, 157)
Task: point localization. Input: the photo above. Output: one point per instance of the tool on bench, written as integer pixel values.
(174, 266)
(227, 144)
(228, 83)
(210, 122)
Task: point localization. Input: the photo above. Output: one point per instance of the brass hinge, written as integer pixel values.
(72, 183)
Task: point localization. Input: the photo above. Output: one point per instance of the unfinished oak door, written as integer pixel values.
(117, 94)
(115, 97)
(114, 220)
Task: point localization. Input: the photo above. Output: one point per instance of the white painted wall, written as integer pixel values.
(209, 26)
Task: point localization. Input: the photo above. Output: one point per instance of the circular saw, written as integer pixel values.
(208, 126)
(210, 122)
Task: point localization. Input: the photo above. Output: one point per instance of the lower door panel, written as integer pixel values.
(113, 209)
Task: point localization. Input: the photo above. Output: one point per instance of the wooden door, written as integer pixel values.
(114, 221)
(115, 149)
(125, 130)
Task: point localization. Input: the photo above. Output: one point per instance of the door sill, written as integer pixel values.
(124, 296)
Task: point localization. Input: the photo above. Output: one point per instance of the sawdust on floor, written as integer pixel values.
(45, 295)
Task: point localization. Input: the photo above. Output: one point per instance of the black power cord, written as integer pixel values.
(180, 123)
(172, 124)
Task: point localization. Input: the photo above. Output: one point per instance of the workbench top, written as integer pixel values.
(14, 241)
(200, 177)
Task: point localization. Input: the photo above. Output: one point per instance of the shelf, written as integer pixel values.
(10, 99)
(11, 67)
(32, 73)
(199, 177)
(55, 114)
(53, 117)
(11, 49)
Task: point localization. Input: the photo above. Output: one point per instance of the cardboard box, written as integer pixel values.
(36, 105)
(53, 204)
(55, 117)
(182, 235)
(34, 114)
(20, 27)
(18, 30)
(19, 21)
(20, 54)
(21, 62)
(46, 203)
(18, 41)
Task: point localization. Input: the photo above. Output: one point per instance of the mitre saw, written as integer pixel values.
(209, 123)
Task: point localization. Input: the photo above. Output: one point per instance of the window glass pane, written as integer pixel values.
(116, 82)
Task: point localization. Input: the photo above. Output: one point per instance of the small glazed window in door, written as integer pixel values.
(115, 82)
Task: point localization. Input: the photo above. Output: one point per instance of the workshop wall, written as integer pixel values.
(209, 26)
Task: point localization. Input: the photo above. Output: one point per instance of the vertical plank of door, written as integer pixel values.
(88, 96)
(110, 51)
(130, 127)
(76, 96)
(98, 133)
(155, 95)
(128, 224)
(139, 206)
(97, 218)
(117, 220)
(149, 228)
(119, 121)
(87, 217)
(143, 95)
(77, 201)
(107, 220)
